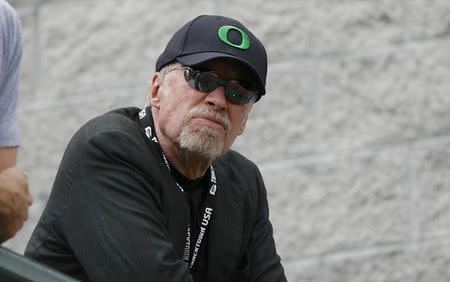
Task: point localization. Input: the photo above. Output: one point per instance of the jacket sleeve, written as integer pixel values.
(113, 221)
(264, 262)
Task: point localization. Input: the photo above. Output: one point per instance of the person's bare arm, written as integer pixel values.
(8, 157)
(14, 201)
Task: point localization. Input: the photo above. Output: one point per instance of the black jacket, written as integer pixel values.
(115, 213)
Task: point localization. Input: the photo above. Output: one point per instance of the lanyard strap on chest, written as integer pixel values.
(146, 123)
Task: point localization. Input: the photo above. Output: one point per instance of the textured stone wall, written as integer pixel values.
(353, 137)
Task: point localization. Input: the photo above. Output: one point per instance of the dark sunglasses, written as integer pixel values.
(207, 81)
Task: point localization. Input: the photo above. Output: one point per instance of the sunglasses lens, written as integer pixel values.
(208, 81)
(237, 94)
(201, 81)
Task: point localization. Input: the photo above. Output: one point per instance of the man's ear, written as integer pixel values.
(153, 95)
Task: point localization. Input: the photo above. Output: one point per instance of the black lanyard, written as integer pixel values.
(146, 122)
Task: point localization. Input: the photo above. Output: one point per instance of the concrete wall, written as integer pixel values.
(353, 137)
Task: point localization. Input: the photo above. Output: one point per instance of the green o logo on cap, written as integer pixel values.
(223, 35)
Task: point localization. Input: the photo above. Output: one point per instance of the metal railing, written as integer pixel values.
(15, 268)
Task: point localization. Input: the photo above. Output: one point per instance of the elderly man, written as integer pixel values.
(156, 194)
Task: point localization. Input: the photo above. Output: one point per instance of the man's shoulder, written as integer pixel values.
(10, 22)
(7, 11)
(236, 166)
(121, 119)
(234, 158)
(120, 115)
(118, 125)
(111, 137)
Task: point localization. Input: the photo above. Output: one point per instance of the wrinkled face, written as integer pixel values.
(203, 123)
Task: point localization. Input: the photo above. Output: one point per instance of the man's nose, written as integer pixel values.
(217, 98)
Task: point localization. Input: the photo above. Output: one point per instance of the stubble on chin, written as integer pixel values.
(206, 141)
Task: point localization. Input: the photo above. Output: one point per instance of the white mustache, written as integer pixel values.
(208, 112)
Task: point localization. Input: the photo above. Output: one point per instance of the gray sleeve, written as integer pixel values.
(10, 56)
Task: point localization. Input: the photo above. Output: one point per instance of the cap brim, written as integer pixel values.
(200, 58)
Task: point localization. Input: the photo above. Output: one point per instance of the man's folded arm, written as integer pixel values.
(114, 223)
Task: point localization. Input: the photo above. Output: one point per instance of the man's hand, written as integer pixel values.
(14, 201)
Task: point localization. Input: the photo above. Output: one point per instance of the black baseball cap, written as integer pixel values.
(210, 37)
